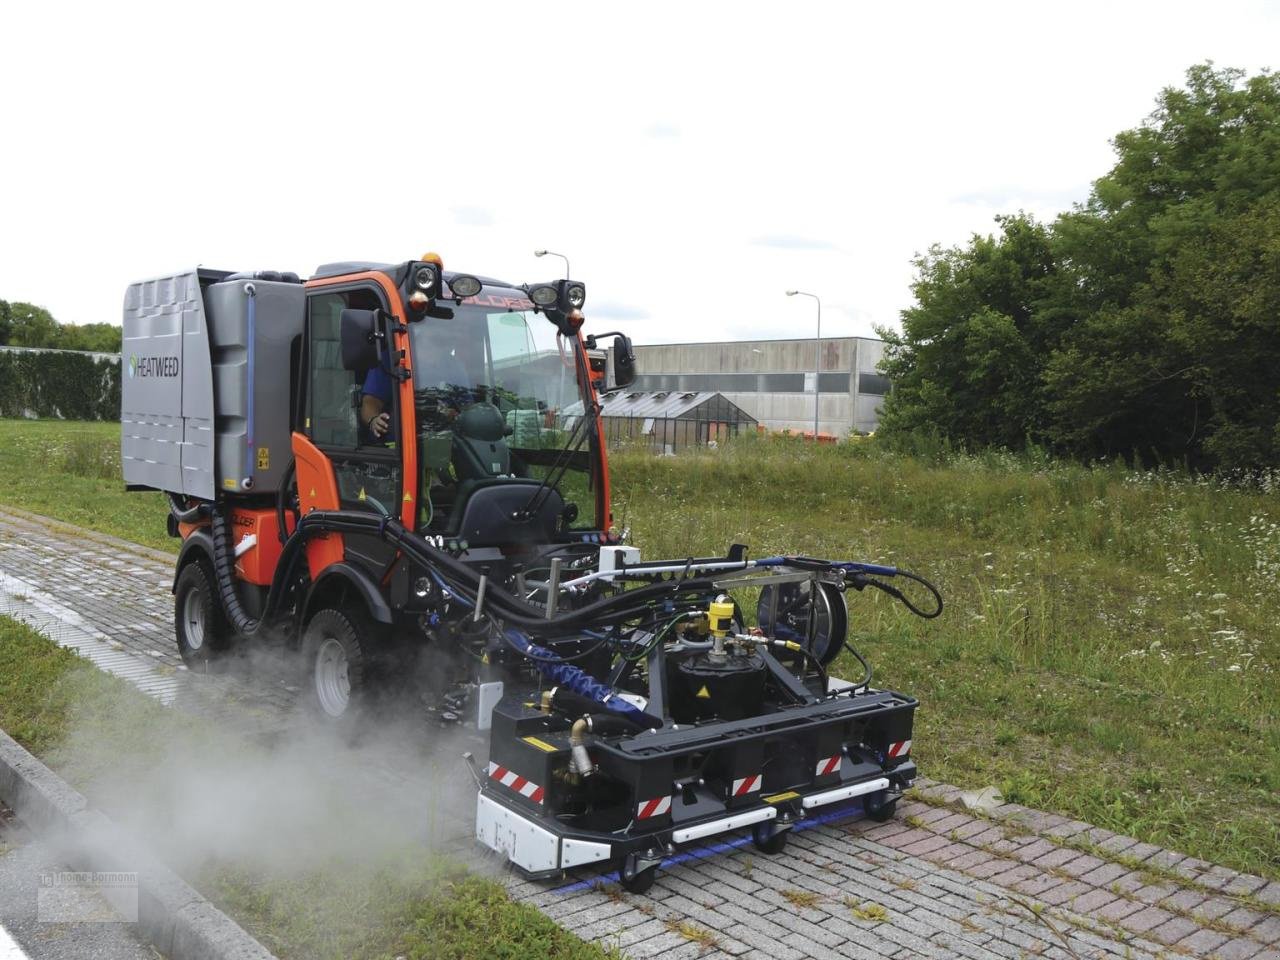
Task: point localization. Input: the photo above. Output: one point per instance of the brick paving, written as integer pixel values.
(937, 881)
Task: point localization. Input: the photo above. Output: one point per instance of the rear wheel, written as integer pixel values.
(200, 623)
(336, 653)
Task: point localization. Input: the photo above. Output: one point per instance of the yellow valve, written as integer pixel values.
(720, 617)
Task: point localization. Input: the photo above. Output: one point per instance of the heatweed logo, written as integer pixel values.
(152, 366)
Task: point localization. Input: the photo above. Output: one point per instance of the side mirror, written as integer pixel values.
(358, 331)
(622, 362)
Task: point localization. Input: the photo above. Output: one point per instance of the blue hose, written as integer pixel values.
(574, 678)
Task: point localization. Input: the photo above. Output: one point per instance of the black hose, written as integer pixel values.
(282, 498)
(188, 514)
(516, 611)
(224, 574)
(899, 595)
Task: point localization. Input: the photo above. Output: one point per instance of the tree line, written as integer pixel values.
(26, 325)
(1143, 324)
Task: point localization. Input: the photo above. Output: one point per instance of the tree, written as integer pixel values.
(32, 326)
(1174, 274)
(6, 322)
(968, 362)
(1144, 323)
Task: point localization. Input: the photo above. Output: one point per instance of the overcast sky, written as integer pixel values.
(693, 160)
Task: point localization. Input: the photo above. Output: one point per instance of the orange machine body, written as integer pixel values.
(255, 538)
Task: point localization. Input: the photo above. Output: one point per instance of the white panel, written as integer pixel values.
(844, 793)
(728, 823)
(574, 853)
(523, 842)
(490, 694)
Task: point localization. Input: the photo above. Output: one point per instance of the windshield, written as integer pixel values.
(497, 397)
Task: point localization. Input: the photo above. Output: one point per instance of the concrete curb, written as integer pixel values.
(172, 916)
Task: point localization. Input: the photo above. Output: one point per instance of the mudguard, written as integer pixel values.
(355, 578)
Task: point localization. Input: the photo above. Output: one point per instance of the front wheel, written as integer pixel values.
(335, 651)
(199, 621)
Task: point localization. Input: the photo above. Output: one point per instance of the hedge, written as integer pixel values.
(59, 384)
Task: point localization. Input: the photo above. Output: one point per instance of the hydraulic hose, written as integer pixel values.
(224, 574)
(188, 514)
(465, 581)
(282, 499)
(578, 680)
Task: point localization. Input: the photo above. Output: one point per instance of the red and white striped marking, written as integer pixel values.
(899, 749)
(829, 765)
(653, 808)
(509, 778)
(746, 785)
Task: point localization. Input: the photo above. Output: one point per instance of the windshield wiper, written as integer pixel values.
(559, 466)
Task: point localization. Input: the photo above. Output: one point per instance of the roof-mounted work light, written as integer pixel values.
(562, 296)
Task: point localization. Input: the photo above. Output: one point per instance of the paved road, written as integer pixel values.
(938, 881)
(27, 932)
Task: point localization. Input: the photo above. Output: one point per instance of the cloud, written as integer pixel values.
(472, 216)
(663, 131)
(788, 241)
(615, 311)
(1011, 198)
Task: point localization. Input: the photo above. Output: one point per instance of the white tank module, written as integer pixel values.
(194, 343)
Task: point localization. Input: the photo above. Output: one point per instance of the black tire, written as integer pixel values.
(335, 654)
(879, 808)
(200, 623)
(769, 843)
(642, 882)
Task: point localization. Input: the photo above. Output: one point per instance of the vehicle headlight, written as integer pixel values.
(576, 295)
(425, 278)
(464, 286)
(544, 295)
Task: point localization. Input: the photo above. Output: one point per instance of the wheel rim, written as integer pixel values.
(333, 688)
(193, 620)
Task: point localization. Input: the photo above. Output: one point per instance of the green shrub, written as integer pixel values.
(59, 385)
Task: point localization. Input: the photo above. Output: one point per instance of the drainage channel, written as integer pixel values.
(38, 609)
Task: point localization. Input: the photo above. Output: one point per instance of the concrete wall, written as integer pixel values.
(773, 379)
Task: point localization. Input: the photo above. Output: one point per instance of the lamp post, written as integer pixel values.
(817, 365)
(543, 253)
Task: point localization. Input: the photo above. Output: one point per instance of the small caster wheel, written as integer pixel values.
(767, 841)
(637, 883)
(879, 807)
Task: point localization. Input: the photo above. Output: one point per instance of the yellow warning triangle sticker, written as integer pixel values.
(704, 693)
(313, 492)
(362, 495)
(408, 497)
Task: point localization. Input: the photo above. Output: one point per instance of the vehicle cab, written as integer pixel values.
(462, 406)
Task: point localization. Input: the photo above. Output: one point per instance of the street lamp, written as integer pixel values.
(543, 253)
(817, 366)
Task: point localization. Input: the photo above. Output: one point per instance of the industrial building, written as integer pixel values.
(773, 380)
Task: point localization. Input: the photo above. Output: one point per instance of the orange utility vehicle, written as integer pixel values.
(389, 466)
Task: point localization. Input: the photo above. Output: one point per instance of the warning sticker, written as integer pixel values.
(704, 693)
(264, 458)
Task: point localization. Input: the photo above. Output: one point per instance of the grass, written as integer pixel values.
(1109, 647)
(71, 471)
(415, 904)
